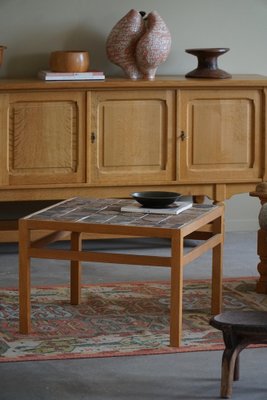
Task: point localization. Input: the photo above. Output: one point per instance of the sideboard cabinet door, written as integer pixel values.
(44, 135)
(220, 135)
(132, 137)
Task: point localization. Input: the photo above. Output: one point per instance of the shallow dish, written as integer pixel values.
(156, 199)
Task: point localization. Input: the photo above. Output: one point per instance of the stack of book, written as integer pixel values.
(71, 76)
(175, 208)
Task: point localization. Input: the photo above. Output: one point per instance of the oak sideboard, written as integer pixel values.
(110, 138)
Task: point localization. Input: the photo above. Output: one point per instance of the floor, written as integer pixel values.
(184, 376)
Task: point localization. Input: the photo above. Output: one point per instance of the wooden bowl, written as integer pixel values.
(2, 48)
(69, 61)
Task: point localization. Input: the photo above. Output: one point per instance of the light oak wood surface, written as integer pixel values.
(110, 138)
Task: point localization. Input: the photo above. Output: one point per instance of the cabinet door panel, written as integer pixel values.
(50, 146)
(223, 135)
(46, 132)
(134, 136)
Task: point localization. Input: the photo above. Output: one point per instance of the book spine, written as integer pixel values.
(74, 78)
(70, 76)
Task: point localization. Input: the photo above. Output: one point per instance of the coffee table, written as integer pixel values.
(78, 216)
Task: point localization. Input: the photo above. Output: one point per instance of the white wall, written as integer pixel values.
(241, 213)
(31, 29)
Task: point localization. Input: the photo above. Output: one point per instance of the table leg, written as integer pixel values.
(216, 290)
(75, 270)
(24, 279)
(217, 269)
(176, 307)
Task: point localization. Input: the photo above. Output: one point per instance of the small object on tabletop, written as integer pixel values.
(2, 48)
(155, 199)
(207, 63)
(173, 209)
(69, 61)
(71, 76)
(139, 43)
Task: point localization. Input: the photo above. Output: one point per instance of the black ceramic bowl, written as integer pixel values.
(155, 199)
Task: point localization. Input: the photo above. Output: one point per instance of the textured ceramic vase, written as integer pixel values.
(122, 40)
(154, 46)
(139, 44)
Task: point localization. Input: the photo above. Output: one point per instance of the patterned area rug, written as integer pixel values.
(116, 319)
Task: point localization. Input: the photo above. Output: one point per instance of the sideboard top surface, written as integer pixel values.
(171, 81)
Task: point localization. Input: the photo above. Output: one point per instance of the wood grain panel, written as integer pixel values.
(223, 135)
(134, 135)
(46, 138)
